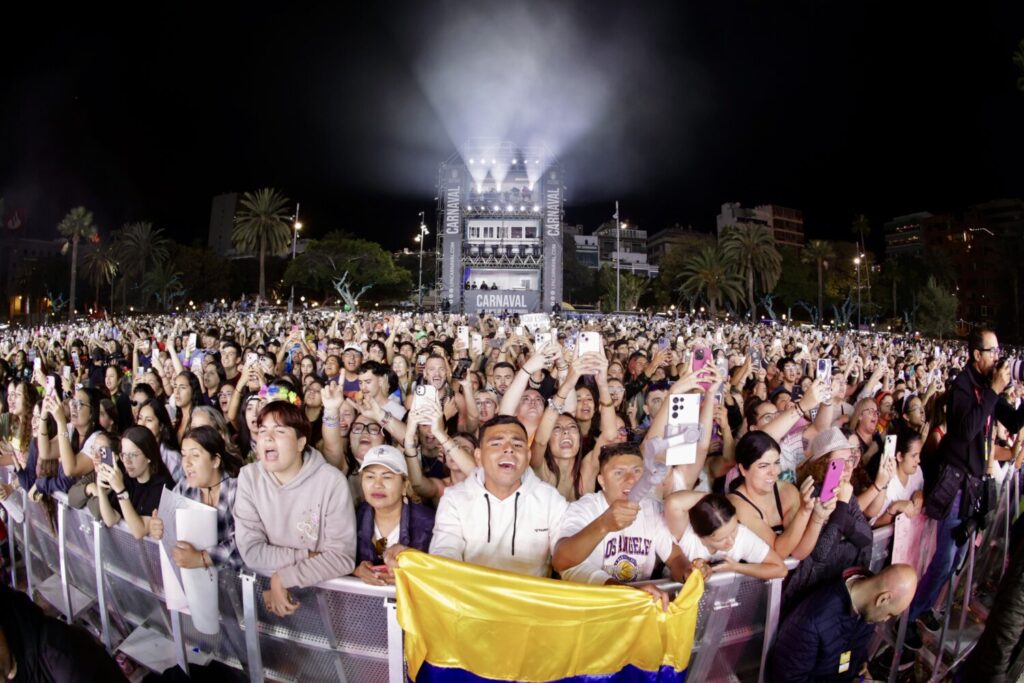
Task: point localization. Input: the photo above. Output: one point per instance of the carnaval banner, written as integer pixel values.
(465, 623)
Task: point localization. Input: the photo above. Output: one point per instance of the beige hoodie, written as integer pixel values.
(276, 527)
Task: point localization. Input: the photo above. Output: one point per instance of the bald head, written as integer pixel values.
(886, 594)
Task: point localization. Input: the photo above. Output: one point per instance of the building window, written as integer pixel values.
(531, 233)
(517, 233)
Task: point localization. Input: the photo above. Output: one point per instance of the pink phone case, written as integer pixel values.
(832, 477)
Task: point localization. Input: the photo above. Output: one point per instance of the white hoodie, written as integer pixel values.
(515, 534)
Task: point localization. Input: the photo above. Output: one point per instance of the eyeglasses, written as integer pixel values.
(129, 456)
(869, 412)
(359, 428)
(994, 350)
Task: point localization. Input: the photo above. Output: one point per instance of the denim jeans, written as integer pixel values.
(947, 555)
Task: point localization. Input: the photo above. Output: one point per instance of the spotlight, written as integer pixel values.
(496, 208)
(471, 162)
(522, 208)
(494, 161)
(536, 209)
(510, 208)
(469, 208)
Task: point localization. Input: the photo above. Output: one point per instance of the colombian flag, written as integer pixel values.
(471, 624)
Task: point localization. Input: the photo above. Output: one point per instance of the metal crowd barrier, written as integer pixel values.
(344, 630)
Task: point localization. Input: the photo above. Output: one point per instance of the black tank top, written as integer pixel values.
(778, 528)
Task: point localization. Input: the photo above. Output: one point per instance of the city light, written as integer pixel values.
(298, 225)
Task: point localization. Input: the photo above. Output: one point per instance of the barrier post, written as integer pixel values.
(26, 538)
(101, 595)
(180, 652)
(723, 601)
(252, 630)
(771, 623)
(11, 542)
(62, 551)
(396, 656)
(897, 649)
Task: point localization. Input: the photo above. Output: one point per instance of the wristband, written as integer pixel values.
(607, 404)
(118, 493)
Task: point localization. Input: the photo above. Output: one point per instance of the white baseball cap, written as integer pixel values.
(386, 456)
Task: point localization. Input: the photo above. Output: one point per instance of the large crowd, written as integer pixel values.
(331, 442)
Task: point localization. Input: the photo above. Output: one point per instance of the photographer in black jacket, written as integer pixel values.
(956, 497)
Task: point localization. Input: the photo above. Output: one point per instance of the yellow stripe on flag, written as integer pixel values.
(506, 626)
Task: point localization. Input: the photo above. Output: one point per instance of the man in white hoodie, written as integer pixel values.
(605, 538)
(502, 516)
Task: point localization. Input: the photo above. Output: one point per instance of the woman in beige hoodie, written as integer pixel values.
(293, 511)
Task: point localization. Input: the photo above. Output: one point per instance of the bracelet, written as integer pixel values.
(118, 493)
(799, 410)
(384, 420)
(607, 404)
(876, 487)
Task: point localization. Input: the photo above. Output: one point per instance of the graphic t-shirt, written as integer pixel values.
(626, 555)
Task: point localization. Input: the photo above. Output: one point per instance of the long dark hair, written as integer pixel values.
(144, 439)
(577, 463)
(213, 443)
(168, 436)
(749, 450)
(77, 441)
(710, 513)
(198, 396)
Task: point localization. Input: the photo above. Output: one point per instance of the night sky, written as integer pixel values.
(672, 108)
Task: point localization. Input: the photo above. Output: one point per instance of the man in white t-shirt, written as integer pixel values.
(605, 538)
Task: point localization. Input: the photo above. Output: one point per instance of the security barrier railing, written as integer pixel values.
(343, 630)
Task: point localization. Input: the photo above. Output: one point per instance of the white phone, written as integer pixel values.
(683, 429)
(824, 369)
(192, 340)
(477, 345)
(541, 339)
(463, 335)
(426, 394)
(890, 448)
(589, 342)
(519, 331)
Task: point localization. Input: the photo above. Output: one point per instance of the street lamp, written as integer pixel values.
(296, 225)
(856, 262)
(421, 239)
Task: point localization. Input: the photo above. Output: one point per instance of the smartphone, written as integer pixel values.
(37, 364)
(51, 385)
(663, 343)
(589, 342)
(824, 369)
(75, 360)
(463, 335)
(683, 429)
(477, 343)
(426, 394)
(67, 372)
(519, 331)
(890, 448)
(542, 339)
(723, 367)
(832, 477)
(321, 345)
(106, 456)
(251, 358)
(192, 340)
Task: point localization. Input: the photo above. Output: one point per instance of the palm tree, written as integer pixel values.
(163, 283)
(820, 253)
(261, 225)
(710, 274)
(100, 267)
(751, 250)
(1018, 59)
(76, 226)
(137, 247)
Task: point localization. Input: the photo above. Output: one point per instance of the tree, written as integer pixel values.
(751, 250)
(261, 226)
(137, 247)
(709, 274)
(631, 288)
(820, 253)
(1018, 59)
(163, 283)
(206, 274)
(366, 262)
(76, 226)
(100, 267)
(936, 314)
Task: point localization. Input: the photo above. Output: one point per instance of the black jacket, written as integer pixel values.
(48, 650)
(971, 404)
(814, 637)
(416, 528)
